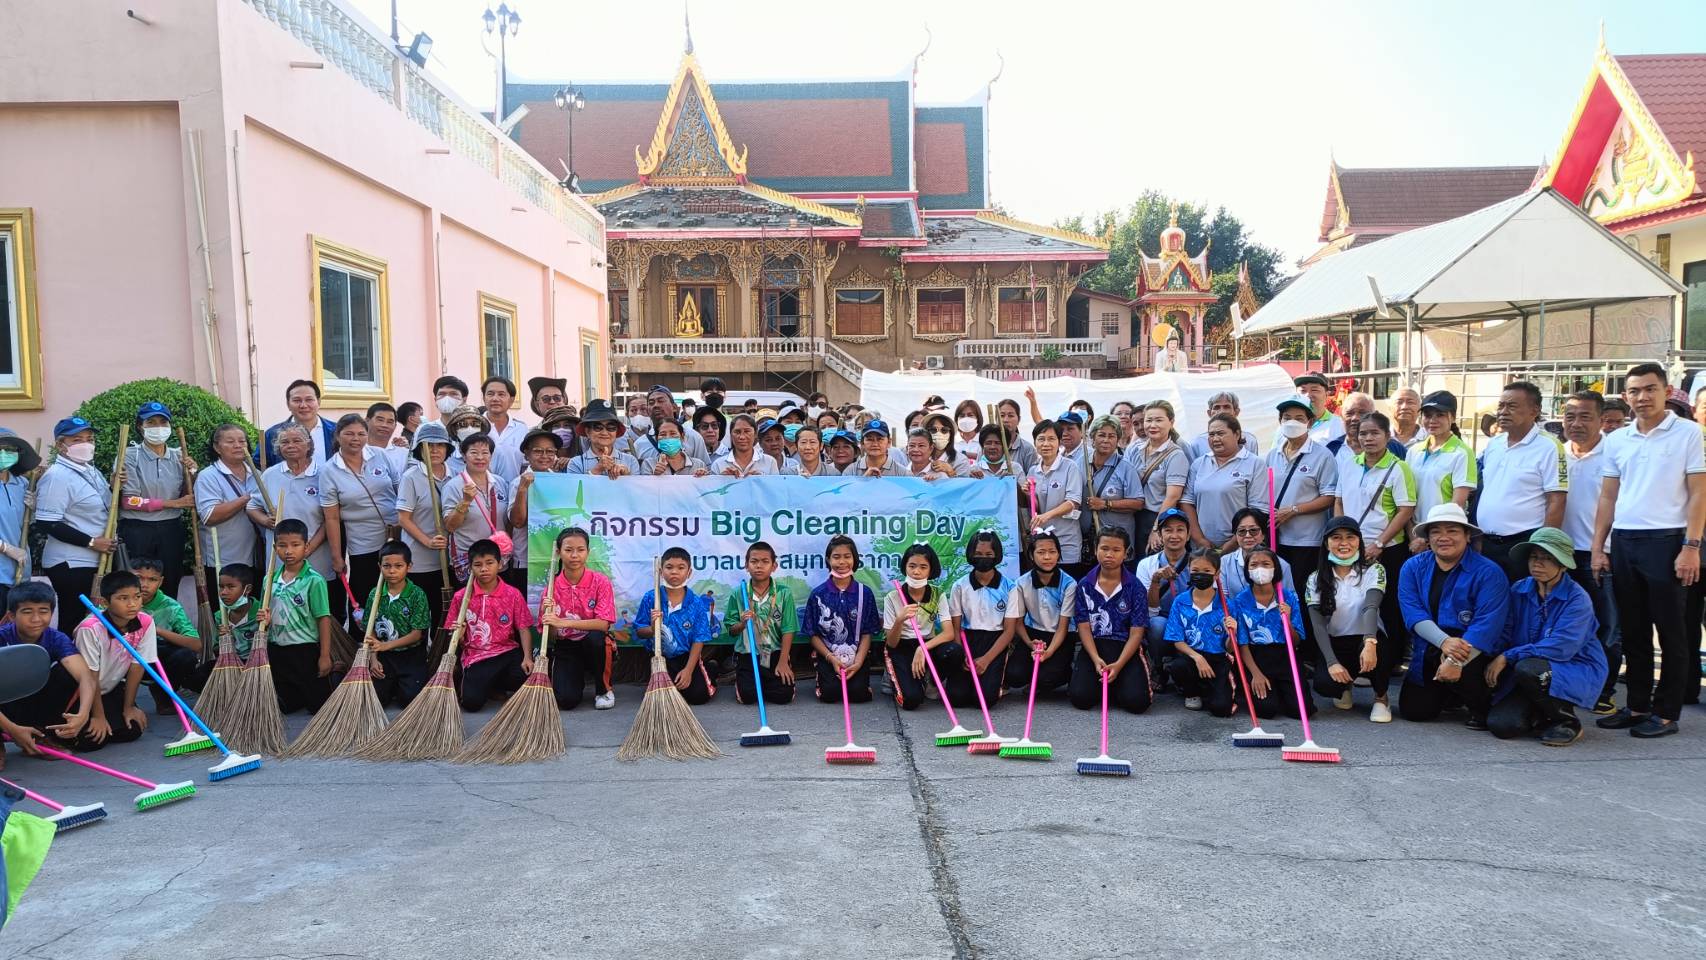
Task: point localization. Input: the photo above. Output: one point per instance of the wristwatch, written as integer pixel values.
(1693, 542)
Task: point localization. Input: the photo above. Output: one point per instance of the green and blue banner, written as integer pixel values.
(631, 521)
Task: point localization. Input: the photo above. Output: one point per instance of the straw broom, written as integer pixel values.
(445, 592)
(665, 725)
(256, 724)
(204, 611)
(219, 694)
(353, 713)
(431, 727)
(528, 728)
(104, 565)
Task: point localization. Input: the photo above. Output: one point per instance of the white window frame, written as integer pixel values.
(354, 263)
(1110, 323)
(22, 389)
(491, 306)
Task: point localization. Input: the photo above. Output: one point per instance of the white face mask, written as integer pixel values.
(466, 432)
(640, 423)
(446, 405)
(814, 412)
(966, 424)
(917, 583)
(1292, 429)
(939, 440)
(156, 435)
(80, 452)
(1262, 575)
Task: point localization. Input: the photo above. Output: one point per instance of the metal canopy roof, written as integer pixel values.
(1500, 261)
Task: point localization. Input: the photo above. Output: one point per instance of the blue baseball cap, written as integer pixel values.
(71, 425)
(832, 435)
(1072, 417)
(1171, 513)
(877, 427)
(768, 424)
(153, 408)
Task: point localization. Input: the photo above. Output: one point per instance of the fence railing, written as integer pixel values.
(1144, 356)
(716, 347)
(842, 363)
(355, 46)
(1016, 347)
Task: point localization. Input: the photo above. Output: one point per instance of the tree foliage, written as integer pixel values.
(1139, 226)
(193, 408)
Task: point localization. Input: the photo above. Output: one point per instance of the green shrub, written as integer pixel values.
(193, 408)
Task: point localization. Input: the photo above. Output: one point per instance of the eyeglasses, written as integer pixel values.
(1249, 531)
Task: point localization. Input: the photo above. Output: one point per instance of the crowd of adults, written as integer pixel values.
(1578, 549)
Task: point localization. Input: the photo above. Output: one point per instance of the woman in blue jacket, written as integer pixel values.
(1551, 659)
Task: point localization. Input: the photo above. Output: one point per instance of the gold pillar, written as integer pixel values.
(745, 264)
(821, 261)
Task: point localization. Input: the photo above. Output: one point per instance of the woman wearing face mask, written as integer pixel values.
(637, 441)
(944, 453)
(1110, 489)
(462, 423)
(71, 506)
(296, 478)
(1344, 596)
(918, 462)
(744, 459)
(968, 419)
(828, 420)
(672, 459)
(222, 495)
(1161, 468)
(154, 495)
(358, 495)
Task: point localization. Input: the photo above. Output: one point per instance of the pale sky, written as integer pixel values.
(1230, 103)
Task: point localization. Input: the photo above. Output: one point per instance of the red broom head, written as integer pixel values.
(439, 678)
(659, 681)
(258, 654)
(358, 674)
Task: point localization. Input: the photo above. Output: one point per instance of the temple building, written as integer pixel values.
(789, 235)
(1365, 204)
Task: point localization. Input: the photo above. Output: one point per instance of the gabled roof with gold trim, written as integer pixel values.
(1154, 275)
(691, 147)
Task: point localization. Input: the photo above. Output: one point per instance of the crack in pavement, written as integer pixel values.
(931, 830)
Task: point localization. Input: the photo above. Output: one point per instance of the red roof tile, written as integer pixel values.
(1394, 199)
(1673, 87)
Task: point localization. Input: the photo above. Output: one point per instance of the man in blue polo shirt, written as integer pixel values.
(1454, 603)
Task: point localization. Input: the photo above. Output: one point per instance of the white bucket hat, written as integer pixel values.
(1447, 513)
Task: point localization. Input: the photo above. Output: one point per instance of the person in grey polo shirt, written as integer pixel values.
(1228, 479)
(1223, 402)
(1306, 479)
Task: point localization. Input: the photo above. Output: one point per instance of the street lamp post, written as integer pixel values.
(570, 101)
(506, 23)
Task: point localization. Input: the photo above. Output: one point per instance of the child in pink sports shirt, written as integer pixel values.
(497, 640)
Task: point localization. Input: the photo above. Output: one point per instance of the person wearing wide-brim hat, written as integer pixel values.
(422, 526)
(1325, 425)
(461, 423)
(1454, 602)
(17, 461)
(548, 393)
(599, 429)
(1551, 661)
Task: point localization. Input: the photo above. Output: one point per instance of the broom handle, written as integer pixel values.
(548, 597)
(929, 661)
(1285, 621)
(134, 655)
(438, 521)
(1243, 679)
(658, 603)
(195, 526)
(92, 765)
(55, 807)
(161, 666)
(752, 648)
(1104, 714)
(1031, 701)
(266, 588)
(846, 711)
(461, 618)
(977, 683)
(372, 605)
(105, 563)
(28, 565)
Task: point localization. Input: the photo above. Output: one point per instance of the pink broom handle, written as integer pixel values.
(62, 755)
(976, 682)
(929, 661)
(160, 665)
(1104, 714)
(1285, 621)
(1031, 485)
(55, 807)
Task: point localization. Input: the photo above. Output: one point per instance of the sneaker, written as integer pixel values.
(1654, 727)
(605, 700)
(1380, 712)
(1605, 707)
(1561, 735)
(1476, 723)
(1193, 703)
(1621, 720)
(1362, 682)
(1344, 701)
(931, 694)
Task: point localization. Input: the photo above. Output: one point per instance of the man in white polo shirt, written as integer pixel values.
(1584, 450)
(1652, 505)
(1524, 477)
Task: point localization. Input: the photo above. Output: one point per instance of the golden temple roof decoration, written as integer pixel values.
(691, 146)
(1070, 236)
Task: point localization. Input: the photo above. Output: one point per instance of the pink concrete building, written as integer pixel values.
(237, 193)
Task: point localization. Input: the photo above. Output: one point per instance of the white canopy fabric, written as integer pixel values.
(1259, 388)
(1500, 260)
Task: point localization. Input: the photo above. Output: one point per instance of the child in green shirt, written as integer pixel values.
(237, 606)
(299, 625)
(180, 644)
(402, 622)
(775, 619)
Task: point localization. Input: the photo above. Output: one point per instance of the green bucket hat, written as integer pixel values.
(1553, 541)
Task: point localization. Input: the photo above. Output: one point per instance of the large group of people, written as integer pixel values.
(1511, 586)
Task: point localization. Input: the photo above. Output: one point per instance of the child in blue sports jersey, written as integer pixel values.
(683, 619)
(840, 619)
(1259, 610)
(1197, 628)
(919, 603)
(1110, 617)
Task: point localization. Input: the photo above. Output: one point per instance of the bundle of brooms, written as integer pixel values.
(528, 727)
(665, 725)
(219, 694)
(431, 727)
(353, 713)
(255, 723)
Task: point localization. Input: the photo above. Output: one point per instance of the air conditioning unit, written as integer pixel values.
(935, 362)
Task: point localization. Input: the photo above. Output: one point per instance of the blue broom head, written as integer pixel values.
(71, 818)
(233, 765)
(1104, 767)
(765, 737)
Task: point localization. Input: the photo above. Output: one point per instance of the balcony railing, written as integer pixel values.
(1017, 347)
(716, 347)
(1144, 357)
(358, 48)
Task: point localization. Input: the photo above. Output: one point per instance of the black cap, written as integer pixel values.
(1341, 523)
(1314, 378)
(1440, 400)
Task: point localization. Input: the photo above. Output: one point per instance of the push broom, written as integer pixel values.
(1025, 748)
(1103, 765)
(352, 714)
(64, 818)
(234, 763)
(219, 693)
(528, 727)
(1308, 751)
(665, 725)
(851, 752)
(763, 736)
(431, 727)
(991, 742)
(255, 721)
(191, 741)
(1255, 736)
(958, 736)
(152, 795)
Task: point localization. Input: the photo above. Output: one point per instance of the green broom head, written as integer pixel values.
(163, 794)
(1027, 750)
(188, 743)
(957, 737)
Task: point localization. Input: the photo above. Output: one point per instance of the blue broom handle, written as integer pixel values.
(155, 674)
(752, 648)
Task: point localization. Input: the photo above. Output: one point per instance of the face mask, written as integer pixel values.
(917, 583)
(1082, 413)
(447, 404)
(1342, 561)
(1202, 581)
(8, 459)
(983, 564)
(81, 452)
(790, 431)
(1292, 429)
(814, 412)
(156, 435)
(939, 440)
(966, 424)
(466, 432)
(640, 423)
(669, 446)
(622, 418)
(687, 410)
(1262, 575)
(713, 400)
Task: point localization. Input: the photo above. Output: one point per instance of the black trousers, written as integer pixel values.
(956, 673)
(1348, 651)
(1130, 691)
(1497, 549)
(432, 584)
(1303, 561)
(1056, 670)
(1425, 701)
(1649, 598)
(1282, 698)
(1145, 525)
(112, 704)
(296, 677)
(897, 666)
(68, 582)
(46, 707)
(1530, 706)
(406, 673)
(829, 686)
(572, 661)
(161, 539)
(183, 668)
(363, 573)
(746, 689)
(1693, 608)
(1216, 694)
(515, 576)
(1605, 611)
(700, 689)
(482, 679)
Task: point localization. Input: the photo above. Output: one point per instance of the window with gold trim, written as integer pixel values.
(352, 323)
(591, 382)
(20, 336)
(1020, 310)
(498, 354)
